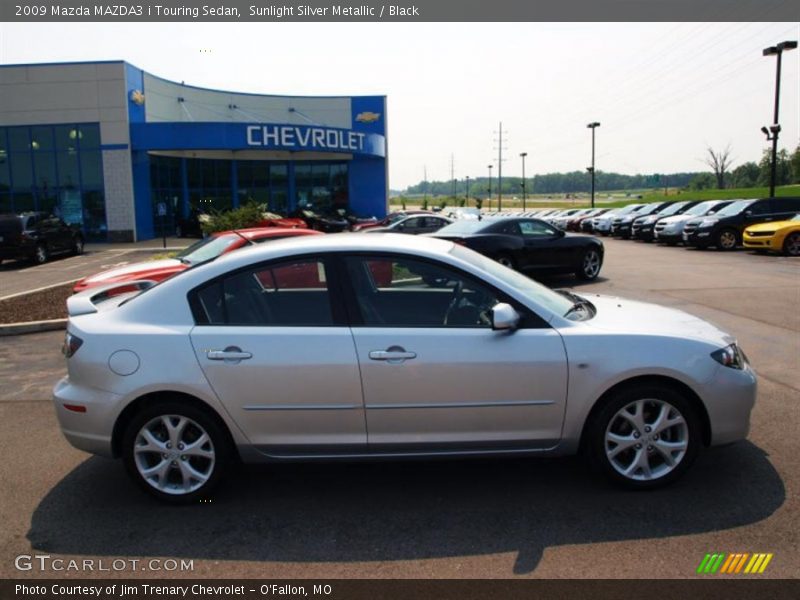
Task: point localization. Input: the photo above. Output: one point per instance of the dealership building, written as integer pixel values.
(124, 154)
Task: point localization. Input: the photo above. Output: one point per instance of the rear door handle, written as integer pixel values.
(392, 354)
(230, 354)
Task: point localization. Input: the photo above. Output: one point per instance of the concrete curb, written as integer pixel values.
(32, 327)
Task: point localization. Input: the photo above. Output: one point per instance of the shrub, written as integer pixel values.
(249, 215)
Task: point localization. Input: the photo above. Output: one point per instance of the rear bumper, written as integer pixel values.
(90, 431)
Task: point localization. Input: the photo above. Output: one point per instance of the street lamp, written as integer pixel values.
(775, 128)
(490, 183)
(523, 155)
(592, 126)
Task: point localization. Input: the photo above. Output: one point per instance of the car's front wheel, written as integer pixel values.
(644, 437)
(727, 240)
(591, 262)
(41, 255)
(175, 452)
(791, 246)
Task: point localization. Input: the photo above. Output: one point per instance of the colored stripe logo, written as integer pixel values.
(734, 564)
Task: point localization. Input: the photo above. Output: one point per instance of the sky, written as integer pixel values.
(663, 92)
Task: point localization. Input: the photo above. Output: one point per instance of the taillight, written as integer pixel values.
(71, 344)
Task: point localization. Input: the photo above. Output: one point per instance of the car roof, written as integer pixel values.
(259, 232)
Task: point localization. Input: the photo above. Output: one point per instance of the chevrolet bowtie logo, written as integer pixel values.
(734, 564)
(367, 117)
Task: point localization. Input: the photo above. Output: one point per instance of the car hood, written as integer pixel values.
(624, 316)
(140, 270)
(677, 219)
(774, 226)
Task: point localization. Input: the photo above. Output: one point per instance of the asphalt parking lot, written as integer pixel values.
(482, 519)
(21, 276)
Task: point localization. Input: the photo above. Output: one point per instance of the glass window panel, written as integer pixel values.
(224, 168)
(5, 203)
(42, 139)
(3, 143)
(207, 174)
(88, 136)
(68, 174)
(302, 175)
(66, 137)
(19, 139)
(5, 172)
(44, 164)
(21, 171)
(23, 202)
(320, 175)
(94, 214)
(260, 174)
(280, 201)
(91, 169)
(195, 173)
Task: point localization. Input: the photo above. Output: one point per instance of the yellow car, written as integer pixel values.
(781, 236)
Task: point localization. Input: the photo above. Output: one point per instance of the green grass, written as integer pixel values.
(730, 194)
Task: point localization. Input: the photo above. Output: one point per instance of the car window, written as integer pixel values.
(505, 227)
(411, 223)
(781, 205)
(536, 229)
(287, 294)
(760, 208)
(207, 249)
(404, 292)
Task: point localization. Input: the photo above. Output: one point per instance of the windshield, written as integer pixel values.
(735, 208)
(207, 249)
(671, 209)
(628, 209)
(462, 226)
(396, 217)
(526, 286)
(700, 209)
(796, 217)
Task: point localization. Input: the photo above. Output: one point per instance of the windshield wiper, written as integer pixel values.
(578, 303)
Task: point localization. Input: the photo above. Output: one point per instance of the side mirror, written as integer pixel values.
(504, 317)
(560, 233)
(748, 213)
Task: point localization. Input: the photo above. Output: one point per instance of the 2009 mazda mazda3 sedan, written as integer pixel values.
(385, 345)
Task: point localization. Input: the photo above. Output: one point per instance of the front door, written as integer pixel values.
(279, 359)
(436, 376)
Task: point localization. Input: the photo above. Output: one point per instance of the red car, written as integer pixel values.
(276, 220)
(390, 218)
(202, 251)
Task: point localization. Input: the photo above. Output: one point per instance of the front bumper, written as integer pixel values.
(729, 399)
(699, 238)
(642, 232)
(92, 430)
(773, 242)
(669, 238)
(622, 230)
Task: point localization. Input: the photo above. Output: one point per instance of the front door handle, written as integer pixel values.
(393, 354)
(230, 354)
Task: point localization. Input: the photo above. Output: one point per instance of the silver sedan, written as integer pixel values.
(354, 346)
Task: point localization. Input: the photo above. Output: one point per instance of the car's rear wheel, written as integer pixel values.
(175, 451)
(644, 437)
(591, 262)
(507, 261)
(791, 245)
(41, 254)
(727, 240)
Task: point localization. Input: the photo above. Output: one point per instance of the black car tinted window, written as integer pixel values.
(781, 205)
(762, 207)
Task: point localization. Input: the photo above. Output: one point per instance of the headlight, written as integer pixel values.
(649, 220)
(730, 356)
(708, 222)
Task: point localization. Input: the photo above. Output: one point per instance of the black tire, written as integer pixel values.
(727, 240)
(41, 255)
(791, 245)
(590, 264)
(77, 246)
(199, 420)
(607, 419)
(506, 260)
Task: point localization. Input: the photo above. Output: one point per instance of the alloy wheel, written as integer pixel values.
(506, 261)
(174, 454)
(41, 254)
(591, 264)
(646, 439)
(727, 240)
(792, 244)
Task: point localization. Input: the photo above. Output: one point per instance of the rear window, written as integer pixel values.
(734, 208)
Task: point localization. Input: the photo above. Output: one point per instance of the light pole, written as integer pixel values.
(490, 183)
(592, 126)
(523, 155)
(466, 195)
(775, 128)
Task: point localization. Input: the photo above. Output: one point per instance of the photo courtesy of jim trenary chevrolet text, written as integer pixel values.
(426, 299)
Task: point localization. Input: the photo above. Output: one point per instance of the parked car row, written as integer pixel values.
(767, 224)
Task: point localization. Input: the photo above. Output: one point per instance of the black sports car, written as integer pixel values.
(328, 222)
(529, 245)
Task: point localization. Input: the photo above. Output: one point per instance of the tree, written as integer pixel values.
(719, 161)
(702, 181)
(783, 170)
(745, 175)
(795, 164)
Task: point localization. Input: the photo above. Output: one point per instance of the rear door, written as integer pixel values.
(543, 245)
(785, 208)
(436, 376)
(274, 345)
